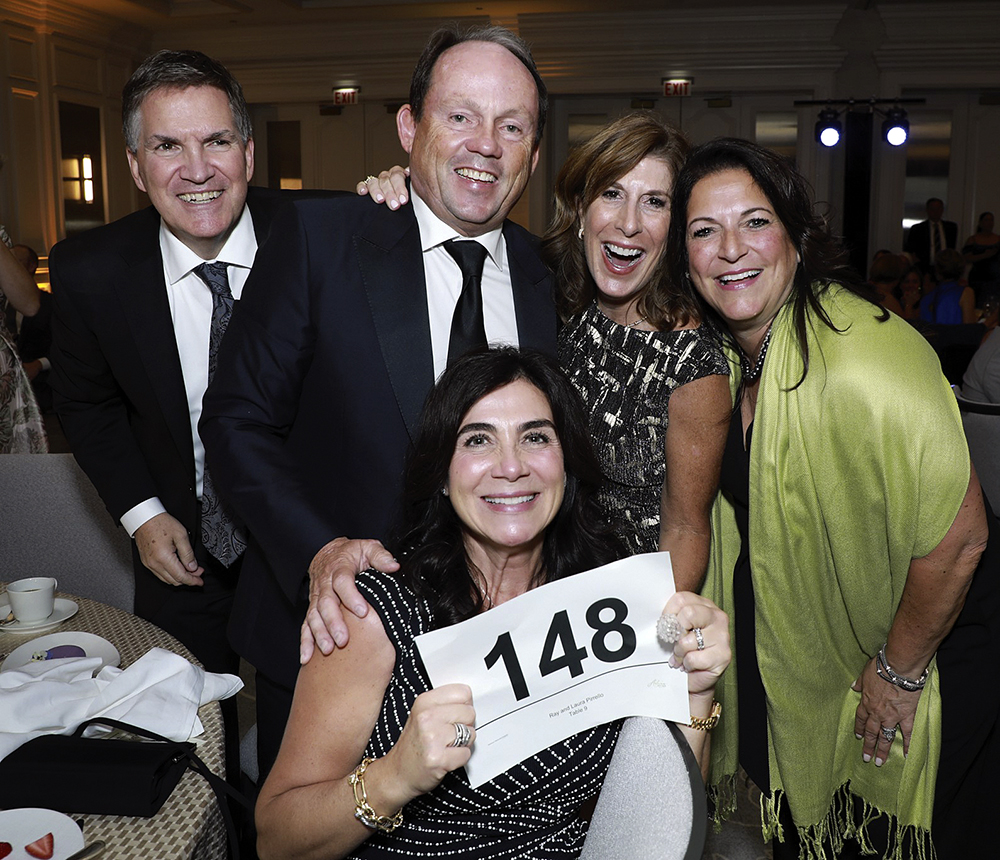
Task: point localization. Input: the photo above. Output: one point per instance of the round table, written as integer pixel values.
(189, 824)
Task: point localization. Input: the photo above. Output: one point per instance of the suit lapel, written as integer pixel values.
(531, 283)
(262, 208)
(142, 295)
(388, 250)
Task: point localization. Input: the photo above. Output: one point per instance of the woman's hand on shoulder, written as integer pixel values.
(389, 187)
(424, 753)
(706, 659)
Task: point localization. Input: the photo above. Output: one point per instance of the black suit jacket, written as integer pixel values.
(317, 394)
(116, 372)
(918, 240)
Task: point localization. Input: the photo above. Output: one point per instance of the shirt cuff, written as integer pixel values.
(141, 514)
(46, 364)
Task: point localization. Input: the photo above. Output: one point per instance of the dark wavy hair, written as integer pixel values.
(450, 35)
(823, 260)
(180, 69)
(429, 537)
(590, 170)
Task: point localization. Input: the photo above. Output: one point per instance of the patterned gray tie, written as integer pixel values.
(468, 332)
(221, 533)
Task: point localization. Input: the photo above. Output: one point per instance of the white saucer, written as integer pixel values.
(63, 609)
(93, 646)
(21, 827)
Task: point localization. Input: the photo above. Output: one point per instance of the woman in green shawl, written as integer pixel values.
(846, 539)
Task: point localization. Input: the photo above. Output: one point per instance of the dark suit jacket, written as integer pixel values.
(116, 373)
(918, 240)
(317, 394)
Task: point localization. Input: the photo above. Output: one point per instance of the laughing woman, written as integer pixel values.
(654, 381)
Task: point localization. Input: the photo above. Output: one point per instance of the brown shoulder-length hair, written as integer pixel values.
(591, 169)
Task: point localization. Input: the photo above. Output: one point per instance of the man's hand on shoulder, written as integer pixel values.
(331, 586)
(165, 549)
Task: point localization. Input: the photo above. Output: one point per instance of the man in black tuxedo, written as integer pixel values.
(134, 324)
(320, 383)
(926, 238)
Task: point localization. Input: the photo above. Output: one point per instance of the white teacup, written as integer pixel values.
(32, 599)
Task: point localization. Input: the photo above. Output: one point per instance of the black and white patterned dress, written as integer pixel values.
(21, 428)
(626, 377)
(531, 811)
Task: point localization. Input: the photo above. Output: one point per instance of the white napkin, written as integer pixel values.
(160, 692)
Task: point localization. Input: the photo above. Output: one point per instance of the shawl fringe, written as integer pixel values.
(825, 840)
(722, 800)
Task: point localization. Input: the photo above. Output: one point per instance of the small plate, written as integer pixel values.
(93, 646)
(20, 827)
(63, 609)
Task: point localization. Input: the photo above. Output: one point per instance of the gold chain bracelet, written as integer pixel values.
(706, 724)
(363, 809)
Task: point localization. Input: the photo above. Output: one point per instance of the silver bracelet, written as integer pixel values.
(885, 672)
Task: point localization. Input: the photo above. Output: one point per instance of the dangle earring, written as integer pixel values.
(579, 233)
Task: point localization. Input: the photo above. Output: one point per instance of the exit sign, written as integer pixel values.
(677, 86)
(346, 95)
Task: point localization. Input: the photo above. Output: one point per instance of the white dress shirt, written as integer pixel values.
(191, 312)
(444, 283)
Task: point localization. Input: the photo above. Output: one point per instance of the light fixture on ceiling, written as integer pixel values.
(895, 126)
(828, 127)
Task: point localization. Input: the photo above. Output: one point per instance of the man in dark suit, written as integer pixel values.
(320, 384)
(926, 238)
(134, 326)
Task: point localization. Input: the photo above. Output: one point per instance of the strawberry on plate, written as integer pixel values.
(42, 848)
(5, 849)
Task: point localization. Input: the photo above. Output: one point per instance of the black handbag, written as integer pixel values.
(105, 776)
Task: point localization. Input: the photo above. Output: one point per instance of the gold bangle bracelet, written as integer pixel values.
(363, 809)
(706, 724)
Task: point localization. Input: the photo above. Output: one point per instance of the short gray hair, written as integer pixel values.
(180, 69)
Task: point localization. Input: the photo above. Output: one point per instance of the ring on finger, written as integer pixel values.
(888, 733)
(370, 178)
(701, 639)
(463, 735)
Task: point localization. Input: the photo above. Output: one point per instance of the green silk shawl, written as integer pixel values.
(853, 473)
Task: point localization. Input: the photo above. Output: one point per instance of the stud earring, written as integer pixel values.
(444, 492)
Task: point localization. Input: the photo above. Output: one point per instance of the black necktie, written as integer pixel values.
(221, 533)
(467, 329)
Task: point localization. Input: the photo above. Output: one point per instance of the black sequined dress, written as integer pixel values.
(530, 811)
(626, 377)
